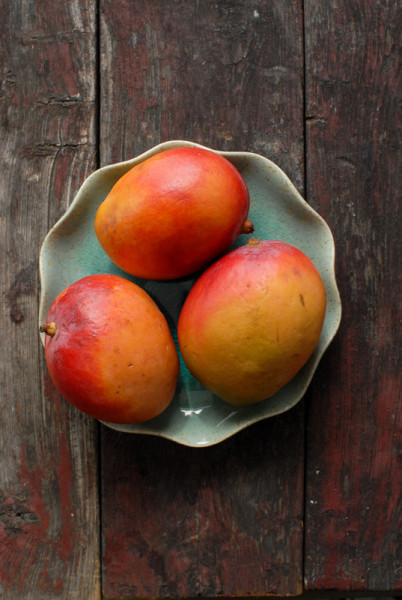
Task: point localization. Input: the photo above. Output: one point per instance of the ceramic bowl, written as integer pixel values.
(196, 417)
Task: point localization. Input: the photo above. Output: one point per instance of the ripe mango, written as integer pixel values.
(252, 320)
(109, 350)
(172, 214)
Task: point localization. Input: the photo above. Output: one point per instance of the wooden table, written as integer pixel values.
(307, 502)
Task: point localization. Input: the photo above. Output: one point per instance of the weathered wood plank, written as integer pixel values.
(353, 86)
(49, 527)
(225, 520)
(227, 74)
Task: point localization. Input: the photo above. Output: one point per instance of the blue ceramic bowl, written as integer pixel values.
(196, 417)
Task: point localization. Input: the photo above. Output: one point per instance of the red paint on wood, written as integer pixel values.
(31, 521)
(353, 510)
(181, 522)
(48, 514)
(30, 531)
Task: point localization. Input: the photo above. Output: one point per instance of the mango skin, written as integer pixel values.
(172, 214)
(112, 356)
(252, 320)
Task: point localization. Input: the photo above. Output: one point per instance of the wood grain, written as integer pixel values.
(228, 74)
(185, 522)
(49, 528)
(353, 90)
(225, 520)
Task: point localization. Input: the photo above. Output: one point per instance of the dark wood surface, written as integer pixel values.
(49, 510)
(305, 502)
(213, 73)
(354, 434)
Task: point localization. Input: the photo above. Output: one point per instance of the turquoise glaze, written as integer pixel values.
(196, 417)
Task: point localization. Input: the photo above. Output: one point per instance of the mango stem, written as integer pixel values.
(49, 329)
(248, 227)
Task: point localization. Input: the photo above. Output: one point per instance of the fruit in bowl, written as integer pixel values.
(173, 214)
(252, 320)
(194, 417)
(109, 350)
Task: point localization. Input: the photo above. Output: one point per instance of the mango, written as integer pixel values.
(173, 214)
(252, 320)
(109, 350)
